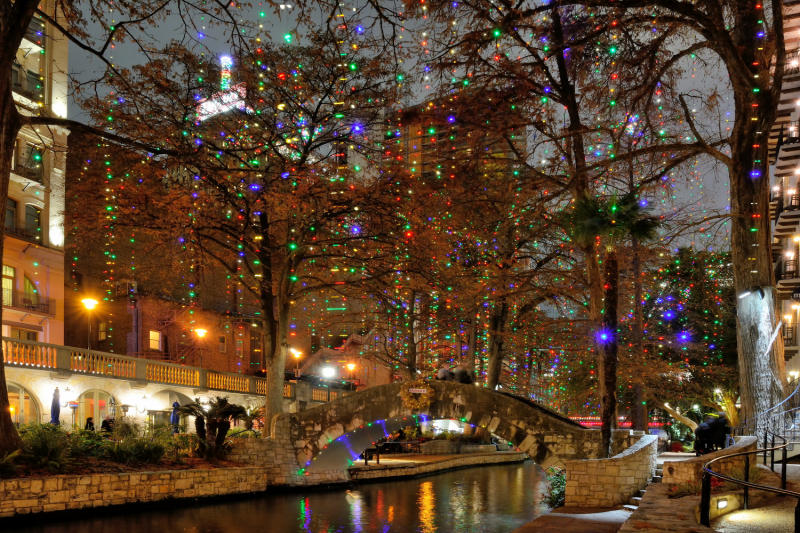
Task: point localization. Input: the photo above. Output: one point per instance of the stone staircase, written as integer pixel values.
(633, 502)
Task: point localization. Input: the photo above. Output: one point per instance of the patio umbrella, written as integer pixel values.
(175, 418)
(55, 407)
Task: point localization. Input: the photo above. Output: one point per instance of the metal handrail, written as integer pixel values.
(750, 421)
(705, 494)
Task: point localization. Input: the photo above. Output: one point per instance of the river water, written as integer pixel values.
(490, 499)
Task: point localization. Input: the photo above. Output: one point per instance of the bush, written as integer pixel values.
(557, 480)
(239, 433)
(134, 444)
(684, 489)
(738, 473)
(46, 446)
(8, 464)
(85, 443)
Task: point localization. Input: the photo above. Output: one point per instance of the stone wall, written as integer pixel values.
(692, 469)
(611, 482)
(439, 447)
(478, 448)
(383, 471)
(277, 457)
(61, 493)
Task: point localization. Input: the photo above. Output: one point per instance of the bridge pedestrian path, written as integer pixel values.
(777, 517)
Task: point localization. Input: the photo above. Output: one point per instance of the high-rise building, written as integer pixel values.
(33, 258)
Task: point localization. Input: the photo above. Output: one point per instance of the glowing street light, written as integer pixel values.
(201, 333)
(328, 372)
(350, 367)
(89, 304)
(296, 354)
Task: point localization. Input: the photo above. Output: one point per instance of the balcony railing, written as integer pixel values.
(32, 235)
(30, 354)
(33, 302)
(35, 32)
(36, 173)
(790, 334)
(27, 83)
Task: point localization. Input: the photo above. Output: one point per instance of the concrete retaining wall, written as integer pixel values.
(692, 469)
(611, 482)
(61, 493)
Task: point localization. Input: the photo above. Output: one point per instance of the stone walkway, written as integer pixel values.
(775, 518)
(577, 520)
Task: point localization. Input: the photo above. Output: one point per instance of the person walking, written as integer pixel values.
(89, 424)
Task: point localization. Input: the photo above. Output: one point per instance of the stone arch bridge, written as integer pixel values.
(325, 440)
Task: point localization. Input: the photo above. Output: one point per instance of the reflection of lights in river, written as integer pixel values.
(305, 514)
(427, 507)
(354, 498)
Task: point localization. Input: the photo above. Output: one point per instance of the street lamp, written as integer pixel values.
(350, 367)
(296, 355)
(201, 333)
(89, 304)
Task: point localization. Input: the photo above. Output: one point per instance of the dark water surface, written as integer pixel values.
(490, 499)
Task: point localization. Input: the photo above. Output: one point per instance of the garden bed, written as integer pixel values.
(90, 465)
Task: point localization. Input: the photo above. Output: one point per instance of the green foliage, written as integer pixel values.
(737, 472)
(212, 424)
(85, 443)
(684, 489)
(239, 433)
(46, 446)
(557, 481)
(8, 464)
(612, 218)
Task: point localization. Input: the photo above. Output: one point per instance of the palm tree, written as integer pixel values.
(212, 423)
(609, 222)
(252, 414)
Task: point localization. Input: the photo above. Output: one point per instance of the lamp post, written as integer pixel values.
(296, 355)
(350, 367)
(201, 333)
(89, 304)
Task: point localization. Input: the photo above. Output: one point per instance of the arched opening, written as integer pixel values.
(159, 407)
(93, 404)
(23, 405)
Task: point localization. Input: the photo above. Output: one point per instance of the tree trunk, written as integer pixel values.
(609, 346)
(640, 422)
(275, 365)
(674, 413)
(472, 348)
(762, 372)
(9, 126)
(762, 369)
(497, 324)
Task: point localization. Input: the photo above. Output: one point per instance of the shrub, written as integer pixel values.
(737, 472)
(46, 446)
(557, 481)
(239, 433)
(684, 489)
(134, 444)
(8, 464)
(85, 443)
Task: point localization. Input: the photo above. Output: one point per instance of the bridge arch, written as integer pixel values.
(546, 436)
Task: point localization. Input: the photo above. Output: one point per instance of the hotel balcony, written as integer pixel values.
(787, 275)
(787, 213)
(33, 40)
(29, 302)
(790, 339)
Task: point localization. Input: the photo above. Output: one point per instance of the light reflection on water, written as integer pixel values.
(492, 499)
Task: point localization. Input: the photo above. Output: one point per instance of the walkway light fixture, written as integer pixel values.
(89, 304)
